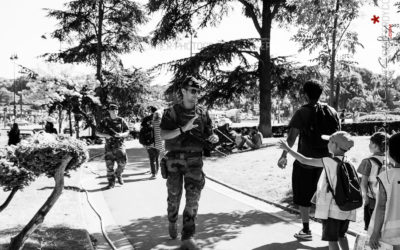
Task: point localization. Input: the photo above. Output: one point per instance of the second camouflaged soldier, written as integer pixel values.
(185, 127)
(114, 129)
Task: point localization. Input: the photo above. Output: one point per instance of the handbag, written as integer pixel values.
(362, 243)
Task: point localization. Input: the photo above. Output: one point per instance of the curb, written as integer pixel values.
(287, 209)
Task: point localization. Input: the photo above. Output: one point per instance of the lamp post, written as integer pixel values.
(13, 58)
(192, 33)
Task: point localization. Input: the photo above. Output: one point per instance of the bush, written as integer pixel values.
(379, 117)
(54, 156)
(12, 176)
(43, 152)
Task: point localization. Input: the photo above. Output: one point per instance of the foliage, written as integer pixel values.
(379, 117)
(324, 26)
(12, 176)
(129, 88)
(43, 152)
(5, 95)
(222, 85)
(97, 32)
(185, 16)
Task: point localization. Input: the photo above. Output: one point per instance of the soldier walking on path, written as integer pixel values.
(115, 130)
(186, 128)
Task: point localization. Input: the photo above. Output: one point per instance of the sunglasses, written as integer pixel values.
(113, 109)
(193, 91)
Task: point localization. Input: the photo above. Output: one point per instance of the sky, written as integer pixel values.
(23, 22)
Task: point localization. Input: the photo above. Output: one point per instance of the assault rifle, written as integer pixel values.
(206, 144)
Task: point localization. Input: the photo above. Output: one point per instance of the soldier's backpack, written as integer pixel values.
(323, 122)
(146, 135)
(347, 193)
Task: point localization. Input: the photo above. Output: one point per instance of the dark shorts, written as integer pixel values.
(304, 183)
(333, 229)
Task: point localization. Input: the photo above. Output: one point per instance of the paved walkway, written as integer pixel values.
(226, 220)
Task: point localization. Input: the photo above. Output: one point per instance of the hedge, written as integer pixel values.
(356, 129)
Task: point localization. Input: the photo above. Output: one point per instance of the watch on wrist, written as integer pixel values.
(180, 129)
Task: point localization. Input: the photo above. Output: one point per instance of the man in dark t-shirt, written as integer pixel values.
(305, 178)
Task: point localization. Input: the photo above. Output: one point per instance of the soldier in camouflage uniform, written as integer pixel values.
(181, 127)
(114, 129)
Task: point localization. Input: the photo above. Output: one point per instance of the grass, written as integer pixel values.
(257, 173)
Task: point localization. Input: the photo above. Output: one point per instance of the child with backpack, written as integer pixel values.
(332, 187)
(370, 168)
(385, 222)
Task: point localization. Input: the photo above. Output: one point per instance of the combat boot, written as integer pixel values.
(173, 230)
(189, 244)
(120, 180)
(111, 183)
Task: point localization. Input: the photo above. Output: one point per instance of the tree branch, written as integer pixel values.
(253, 15)
(340, 40)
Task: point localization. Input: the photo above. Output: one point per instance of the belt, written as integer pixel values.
(185, 154)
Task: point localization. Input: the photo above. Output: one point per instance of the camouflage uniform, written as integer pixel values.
(185, 164)
(115, 148)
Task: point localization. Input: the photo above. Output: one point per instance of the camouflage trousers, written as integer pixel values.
(115, 155)
(188, 173)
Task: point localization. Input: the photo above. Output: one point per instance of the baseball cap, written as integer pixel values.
(341, 138)
(112, 106)
(51, 120)
(191, 82)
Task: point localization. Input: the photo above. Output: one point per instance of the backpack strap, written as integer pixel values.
(380, 165)
(378, 162)
(173, 113)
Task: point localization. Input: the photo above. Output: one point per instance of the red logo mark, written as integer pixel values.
(375, 19)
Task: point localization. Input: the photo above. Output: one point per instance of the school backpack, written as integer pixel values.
(146, 134)
(347, 193)
(323, 122)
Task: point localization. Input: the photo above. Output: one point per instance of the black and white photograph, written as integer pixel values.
(200, 125)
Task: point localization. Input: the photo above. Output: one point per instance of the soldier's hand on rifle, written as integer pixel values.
(189, 126)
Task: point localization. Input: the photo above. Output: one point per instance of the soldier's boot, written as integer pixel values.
(120, 180)
(189, 244)
(111, 183)
(173, 230)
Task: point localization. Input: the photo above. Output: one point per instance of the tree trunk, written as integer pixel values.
(60, 120)
(334, 101)
(9, 198)
(70, 122)
(17, 243)
(264, 69)
(100, 43)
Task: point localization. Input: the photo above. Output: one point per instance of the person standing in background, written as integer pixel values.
(14, 135)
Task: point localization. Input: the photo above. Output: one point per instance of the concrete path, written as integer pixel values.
(226, 220)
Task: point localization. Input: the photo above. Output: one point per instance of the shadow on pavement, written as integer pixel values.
(124, 175)
(152, 233)
(293, 245)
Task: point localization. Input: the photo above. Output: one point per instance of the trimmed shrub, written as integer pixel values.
(379, 118)
(54, 156)
(43, 152)
(12, 176)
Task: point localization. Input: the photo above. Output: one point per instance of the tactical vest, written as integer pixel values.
(186, 142)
